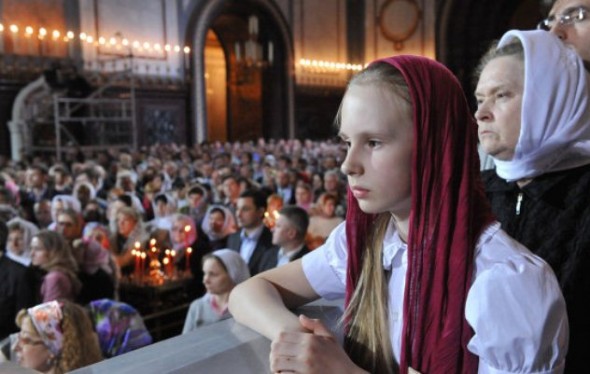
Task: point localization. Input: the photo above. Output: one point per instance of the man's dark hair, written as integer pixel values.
(258, 197)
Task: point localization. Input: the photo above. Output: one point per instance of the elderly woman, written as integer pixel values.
(51, 253)
(129, 230)
(533, 116)
(184, 234)
(223, 270)
(56, 337)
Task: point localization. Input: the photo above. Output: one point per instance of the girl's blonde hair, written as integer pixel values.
(367, 340)
(80, 343)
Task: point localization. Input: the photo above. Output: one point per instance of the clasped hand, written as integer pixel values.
(314, 351)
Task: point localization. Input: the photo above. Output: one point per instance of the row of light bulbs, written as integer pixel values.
(119, 42)
(328, 65)
(101, 40)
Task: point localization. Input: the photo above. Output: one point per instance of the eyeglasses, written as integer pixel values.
(569, 17)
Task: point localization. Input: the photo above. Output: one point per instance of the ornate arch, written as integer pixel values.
(201, 17)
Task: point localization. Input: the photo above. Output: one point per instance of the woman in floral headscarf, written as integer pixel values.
(56, 337)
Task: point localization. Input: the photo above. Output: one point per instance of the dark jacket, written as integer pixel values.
(551, 216)
(264, 243)
(271, 258)
(17, 291)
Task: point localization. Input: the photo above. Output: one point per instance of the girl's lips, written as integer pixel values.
(359, 192)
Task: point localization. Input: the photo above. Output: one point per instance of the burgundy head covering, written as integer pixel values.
(449, 212)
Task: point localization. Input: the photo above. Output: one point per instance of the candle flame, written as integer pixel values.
(137, 245)
(133, 252)
(167, 252)
(173, 253)
(153, 242)
(166, 261)
(143, 255)
(189, 250)
(187, 228)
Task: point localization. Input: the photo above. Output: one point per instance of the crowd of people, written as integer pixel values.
(71, 226)
(443, 268)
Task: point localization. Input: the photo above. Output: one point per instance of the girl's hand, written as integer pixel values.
(316, 351)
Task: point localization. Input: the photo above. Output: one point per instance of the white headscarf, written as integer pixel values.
(29, 230)
(555, 124)
(229, 225)
(234, 263)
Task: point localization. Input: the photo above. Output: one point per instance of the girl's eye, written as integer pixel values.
(373, 143)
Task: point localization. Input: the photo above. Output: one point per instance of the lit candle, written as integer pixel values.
(188, 252)
(166, 262)
(70, 35)
(42, 34)
(14, 31)
(143, 256)
(186, 51)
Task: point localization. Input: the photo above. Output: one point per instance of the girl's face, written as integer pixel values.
(499, 104)
(378, 131)
(16, 242)
(215, 278)
(31, 351)
(39, 254)
(216, 221)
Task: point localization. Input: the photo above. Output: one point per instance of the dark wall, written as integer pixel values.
(315, 110)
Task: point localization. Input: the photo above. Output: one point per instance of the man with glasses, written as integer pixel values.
(570, 21)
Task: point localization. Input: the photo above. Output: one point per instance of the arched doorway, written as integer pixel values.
(258, 99)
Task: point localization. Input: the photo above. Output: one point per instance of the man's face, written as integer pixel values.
(249, 216)
(577, 33)
(282, 232)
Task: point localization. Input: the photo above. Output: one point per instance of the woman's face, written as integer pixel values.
(125, 224)
(39, 254)
(377, 129)
(178, 233)
(216, 221)
(329, 208)
(16, 242)
(31, 351)
(215, 278)
(499, 105)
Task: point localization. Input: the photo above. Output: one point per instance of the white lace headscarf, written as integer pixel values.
(555, 125)
(237, 269)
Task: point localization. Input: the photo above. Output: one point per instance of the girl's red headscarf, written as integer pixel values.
(449, 212)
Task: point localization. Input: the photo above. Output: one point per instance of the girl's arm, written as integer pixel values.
(263, 302)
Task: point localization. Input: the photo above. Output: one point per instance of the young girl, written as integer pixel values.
(51, 252)
(222, 271)
(431, 281)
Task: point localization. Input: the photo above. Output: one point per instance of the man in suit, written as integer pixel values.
(288, 236)
(253, 239)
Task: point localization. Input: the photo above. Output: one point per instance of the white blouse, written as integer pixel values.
(514, 305)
